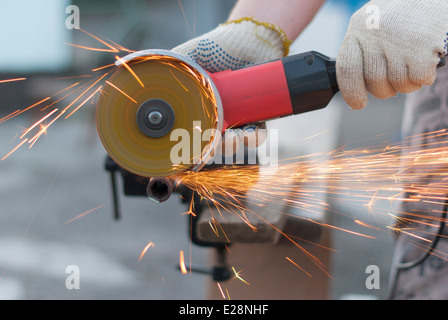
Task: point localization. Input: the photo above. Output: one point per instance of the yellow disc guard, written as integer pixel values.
(188, 93)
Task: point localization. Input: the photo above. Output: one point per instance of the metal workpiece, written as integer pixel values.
(159, 189)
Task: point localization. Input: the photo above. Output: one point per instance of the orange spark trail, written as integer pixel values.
(36, 104)
(237, 275)
(121, 91)
(17, 112)
(185, 17)
(183, 269)
(84, 214)
(84, 92)
(295, 264)
(149, 245)
(13, 150)
(179, 81)
(104, 67)
(220, 290)
(9, 116)
(112, 46)
(191, 208)
(348, 231)
(37, 123)
(35, 138)
(120, 47)
(12, 80)
(65, 89)
(91, 48)
(75, 77)
(130, 70)
(362, 223)
(81, 104)
(43, 130)
(102, 41)
(63, 97)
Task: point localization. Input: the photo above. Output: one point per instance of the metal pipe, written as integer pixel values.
(159, 189)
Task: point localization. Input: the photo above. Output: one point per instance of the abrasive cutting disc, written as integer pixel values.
(140, 111)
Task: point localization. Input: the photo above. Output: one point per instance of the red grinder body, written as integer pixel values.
(291, 85)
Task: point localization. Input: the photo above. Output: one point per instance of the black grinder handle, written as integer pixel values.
(311, 79)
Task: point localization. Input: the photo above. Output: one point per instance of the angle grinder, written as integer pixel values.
(152, 93)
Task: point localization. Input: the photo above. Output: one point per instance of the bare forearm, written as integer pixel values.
(291, 15)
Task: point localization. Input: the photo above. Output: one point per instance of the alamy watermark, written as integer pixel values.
(73, 279)
(73, 20)
(262, 146)
(373, 278)
(373, 17)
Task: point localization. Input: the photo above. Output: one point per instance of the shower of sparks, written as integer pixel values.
(362, 178)
(84, 102)
(18, 112)
(142, 254)
(111, 47)
(80, 94)
(37, 123)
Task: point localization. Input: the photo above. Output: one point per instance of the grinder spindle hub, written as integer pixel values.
(155, 118)
(139, 110)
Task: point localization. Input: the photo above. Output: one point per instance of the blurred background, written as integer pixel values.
(63, 175)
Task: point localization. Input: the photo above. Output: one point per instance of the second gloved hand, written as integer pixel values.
(391, 46)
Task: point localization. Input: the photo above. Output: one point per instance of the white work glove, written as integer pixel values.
(391, 46)
(233, 45)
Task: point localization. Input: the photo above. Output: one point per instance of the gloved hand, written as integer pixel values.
(233, 45)
(400, 54)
